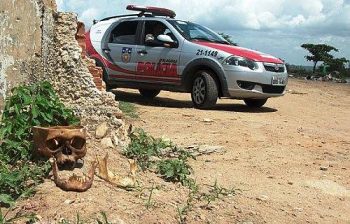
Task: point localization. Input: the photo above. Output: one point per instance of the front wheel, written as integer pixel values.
(204, 90)
(149, 93)
(256, 103)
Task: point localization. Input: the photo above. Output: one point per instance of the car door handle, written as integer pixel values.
(142, 52)
(107, 50)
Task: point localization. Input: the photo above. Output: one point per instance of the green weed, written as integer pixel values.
(143, 147)
(175, 170)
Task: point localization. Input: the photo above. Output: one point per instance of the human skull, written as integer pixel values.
(66, 143)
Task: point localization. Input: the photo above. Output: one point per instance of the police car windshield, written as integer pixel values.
(192, 31)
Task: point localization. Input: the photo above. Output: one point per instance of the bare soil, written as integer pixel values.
(288, 161)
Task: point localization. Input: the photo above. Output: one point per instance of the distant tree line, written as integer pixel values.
(321, 53)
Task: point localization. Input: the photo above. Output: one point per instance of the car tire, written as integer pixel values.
(149, 93)
(105, 79)
(255, 103)
(204, 92)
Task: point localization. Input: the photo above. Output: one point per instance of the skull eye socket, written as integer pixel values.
(77, 143)
(53, 144)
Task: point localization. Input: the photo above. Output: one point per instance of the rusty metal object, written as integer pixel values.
(66, 143)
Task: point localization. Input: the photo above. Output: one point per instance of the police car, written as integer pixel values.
(152, 51)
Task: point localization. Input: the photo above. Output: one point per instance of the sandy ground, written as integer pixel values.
(289, 161)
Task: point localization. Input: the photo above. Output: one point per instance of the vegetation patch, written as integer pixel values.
(128, 109)
(28, 106)
(159, 155)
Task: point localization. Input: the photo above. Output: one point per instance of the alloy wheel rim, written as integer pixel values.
(199, 90)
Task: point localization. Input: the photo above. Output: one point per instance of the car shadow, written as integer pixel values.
(173, 103)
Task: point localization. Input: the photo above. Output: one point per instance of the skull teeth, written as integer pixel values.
(74, 182)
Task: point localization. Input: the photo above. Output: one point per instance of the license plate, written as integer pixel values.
(278, 80)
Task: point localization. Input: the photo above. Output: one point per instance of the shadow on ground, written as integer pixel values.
(173, 103)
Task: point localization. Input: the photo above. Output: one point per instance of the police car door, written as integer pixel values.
(157, 63)
(121, 50)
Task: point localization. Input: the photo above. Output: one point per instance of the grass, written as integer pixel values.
(128, 109)
(149, 202)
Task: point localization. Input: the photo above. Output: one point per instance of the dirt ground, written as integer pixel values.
(288, 161)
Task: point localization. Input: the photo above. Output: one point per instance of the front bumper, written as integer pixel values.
(244, 83)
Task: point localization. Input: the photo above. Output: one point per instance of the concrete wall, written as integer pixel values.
(21, 40)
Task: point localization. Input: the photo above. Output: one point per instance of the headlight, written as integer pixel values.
(241, 61)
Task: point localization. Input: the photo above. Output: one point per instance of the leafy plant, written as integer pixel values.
(28, 106)
(175, 170)
(143, 147)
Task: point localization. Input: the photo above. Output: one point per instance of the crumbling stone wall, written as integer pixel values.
(75, 84)
(38, 43)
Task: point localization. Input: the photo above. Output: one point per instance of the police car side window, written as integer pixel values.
(156, 28)
(124, 33)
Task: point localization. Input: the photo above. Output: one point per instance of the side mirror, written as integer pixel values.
(165, 38)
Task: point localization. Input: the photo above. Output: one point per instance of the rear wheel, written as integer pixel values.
(149, 93)
(105, 79)
(204, 90)
(256, 103)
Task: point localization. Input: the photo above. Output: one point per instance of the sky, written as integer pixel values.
(277, 27)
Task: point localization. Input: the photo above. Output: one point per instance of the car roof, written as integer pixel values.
(144, 13)
(131, 17)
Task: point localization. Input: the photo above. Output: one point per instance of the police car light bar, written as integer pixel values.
(154, 10)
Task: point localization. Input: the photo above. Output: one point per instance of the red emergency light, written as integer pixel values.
(154, 10)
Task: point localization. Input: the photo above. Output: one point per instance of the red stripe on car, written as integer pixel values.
(242, 52)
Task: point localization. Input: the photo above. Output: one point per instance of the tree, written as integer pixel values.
(336, 64)
(228, 38)
(319, 52)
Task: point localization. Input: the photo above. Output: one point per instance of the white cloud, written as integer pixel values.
(233, 14)
(267, 20)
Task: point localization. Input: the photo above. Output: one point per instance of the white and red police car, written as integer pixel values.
(152, 51)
